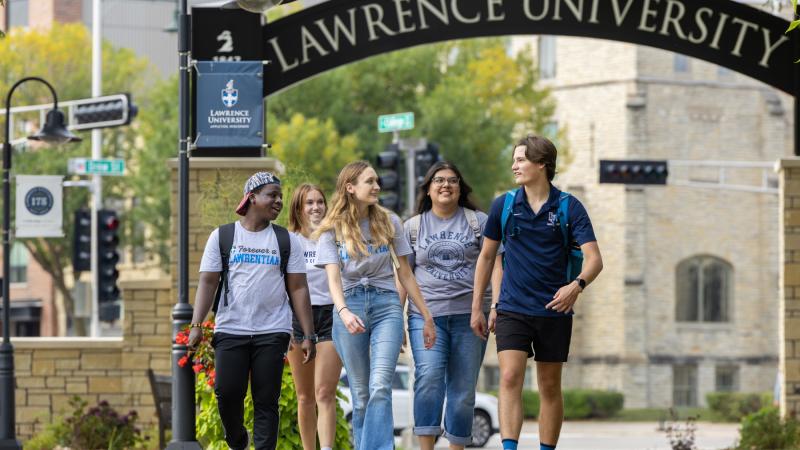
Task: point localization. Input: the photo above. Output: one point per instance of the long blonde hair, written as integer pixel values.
(298, 222)
(343, 218)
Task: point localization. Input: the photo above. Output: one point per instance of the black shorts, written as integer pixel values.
(545, 338)
(323, 323)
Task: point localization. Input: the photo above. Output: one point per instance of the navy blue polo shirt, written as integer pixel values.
(536, 261)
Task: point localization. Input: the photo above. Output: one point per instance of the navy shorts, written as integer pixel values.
(546, 339)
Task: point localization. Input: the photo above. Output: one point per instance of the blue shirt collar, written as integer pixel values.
(552, 200)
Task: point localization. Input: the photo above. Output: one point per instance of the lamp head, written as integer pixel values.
(54, 131)
(256, 6)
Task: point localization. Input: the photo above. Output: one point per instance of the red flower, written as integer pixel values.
(210, 382)
(181, 338)
(183, 361)
(197, 368)
(209, 324)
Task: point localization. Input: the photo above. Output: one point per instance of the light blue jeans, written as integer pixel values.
(450, 368)
(370, 359)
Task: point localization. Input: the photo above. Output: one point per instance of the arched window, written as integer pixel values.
(703, 287)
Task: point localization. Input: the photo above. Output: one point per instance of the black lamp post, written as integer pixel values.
(183, 400)
(53, 132)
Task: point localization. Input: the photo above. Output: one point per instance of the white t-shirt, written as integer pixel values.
(257, 298)
(316, 276)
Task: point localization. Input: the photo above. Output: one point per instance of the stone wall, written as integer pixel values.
(49, 371)
(790, 284)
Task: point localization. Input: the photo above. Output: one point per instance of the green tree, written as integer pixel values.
(61, 55)
(470, 96)
(316, 147)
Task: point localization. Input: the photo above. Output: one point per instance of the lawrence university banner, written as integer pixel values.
(230, 107)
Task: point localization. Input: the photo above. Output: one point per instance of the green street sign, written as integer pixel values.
(395, 122)
(86, 166)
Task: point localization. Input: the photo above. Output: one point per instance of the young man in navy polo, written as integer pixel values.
(533, 317)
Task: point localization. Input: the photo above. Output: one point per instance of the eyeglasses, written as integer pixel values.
(440, 181)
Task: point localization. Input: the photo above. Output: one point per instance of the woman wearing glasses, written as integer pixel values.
(446, 237)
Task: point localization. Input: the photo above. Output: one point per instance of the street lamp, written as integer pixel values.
(53, 132)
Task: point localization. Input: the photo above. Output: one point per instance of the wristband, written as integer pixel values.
(196, 325)
(339, 312)
(312, 337)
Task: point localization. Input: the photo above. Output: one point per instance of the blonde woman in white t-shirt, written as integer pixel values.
(316, 381)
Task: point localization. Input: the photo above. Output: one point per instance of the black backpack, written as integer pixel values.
(226, 233)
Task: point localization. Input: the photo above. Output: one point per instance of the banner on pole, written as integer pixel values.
(230, 104)
(39, 206)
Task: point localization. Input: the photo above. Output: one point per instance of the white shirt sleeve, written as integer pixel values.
(297, 262)
(327, 252)
(212, 260)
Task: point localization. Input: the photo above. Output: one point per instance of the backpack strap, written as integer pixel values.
(225, 238)
(563, 217)
(285, 250)
(413, 230)
(472, 219)
(284, 246)
(508, 209)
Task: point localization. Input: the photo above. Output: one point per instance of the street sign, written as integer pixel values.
(395, 122)
(87, 166)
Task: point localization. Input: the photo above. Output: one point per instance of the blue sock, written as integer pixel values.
(546, 447)
(509, 444)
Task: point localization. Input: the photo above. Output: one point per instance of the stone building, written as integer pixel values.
(688, 300)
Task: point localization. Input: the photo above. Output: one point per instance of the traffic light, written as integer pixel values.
(388, 163)
(107, 255)
(633, 172)
(424, 159)
(82, 241)
(102, 112)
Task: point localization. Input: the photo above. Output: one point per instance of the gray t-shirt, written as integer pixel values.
(316, 276)
(446, 252)
(373, 270)
(257, 299)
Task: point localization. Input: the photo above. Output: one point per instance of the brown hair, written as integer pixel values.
(540, 150)
(298, 222)
(343, 216)
(424, 202)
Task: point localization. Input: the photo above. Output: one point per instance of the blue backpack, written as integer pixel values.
(574, 253)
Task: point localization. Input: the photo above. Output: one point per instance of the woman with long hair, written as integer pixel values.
(315, 381)
(446, 237)
(360, 243)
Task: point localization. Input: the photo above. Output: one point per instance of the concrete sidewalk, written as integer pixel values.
(619, 436)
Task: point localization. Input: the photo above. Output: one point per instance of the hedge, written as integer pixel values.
(578, 404)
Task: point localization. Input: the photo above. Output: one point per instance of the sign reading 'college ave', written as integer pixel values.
(723, 32)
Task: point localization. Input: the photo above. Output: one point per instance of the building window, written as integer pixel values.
(680, 63)
(684, 385)
(19, 263)
(703, 287)
(727, 379)
(17, 11)
(547, 57)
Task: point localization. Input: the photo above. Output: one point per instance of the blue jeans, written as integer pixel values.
(370, 359)
(449, 369)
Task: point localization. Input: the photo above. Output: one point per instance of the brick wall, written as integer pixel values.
(43, 13)
(789, 170)
(49, 371)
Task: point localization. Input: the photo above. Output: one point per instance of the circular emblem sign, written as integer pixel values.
(39, 201)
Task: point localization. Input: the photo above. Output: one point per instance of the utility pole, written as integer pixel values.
(97, 153)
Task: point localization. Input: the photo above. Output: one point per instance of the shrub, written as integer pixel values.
(765, 430)
(578, 404)
(591, 404)
(208, 424)
(100, 427)
(530, 404)
(733, 406)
